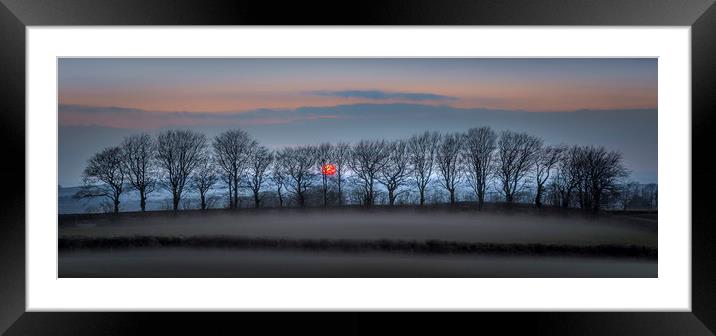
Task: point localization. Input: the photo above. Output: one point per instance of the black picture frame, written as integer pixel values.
(15, 15)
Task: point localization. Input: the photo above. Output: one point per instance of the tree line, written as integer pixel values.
(480, 159)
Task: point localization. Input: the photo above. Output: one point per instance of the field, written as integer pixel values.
(380, 242)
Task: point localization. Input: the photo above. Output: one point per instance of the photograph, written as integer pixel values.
(357, 167)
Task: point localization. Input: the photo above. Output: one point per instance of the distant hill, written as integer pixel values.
(68, 204)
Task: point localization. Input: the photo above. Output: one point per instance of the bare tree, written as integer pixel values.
(422, 150)
(567, 176)
(546, 160)
(105, 168)
(448, 162)
(580, 170)
(478, 156)
(584, 176)
(229, 182)
(341, 156)
(367, 159)
(299, 163)
(323, 154)
(179, 152)
(650, 195)
(395, 172)
(260, 159)
(592, 172)
(516, 155)
(138, 159)
(279, 175)
(204, 177)
(231, 150)
(627, 193)
(604, 172)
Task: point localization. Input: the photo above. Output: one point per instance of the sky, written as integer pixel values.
(284, 101)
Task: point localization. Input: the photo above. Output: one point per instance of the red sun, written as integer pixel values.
(328, 169)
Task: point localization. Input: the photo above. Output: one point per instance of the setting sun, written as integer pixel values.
(328, 169)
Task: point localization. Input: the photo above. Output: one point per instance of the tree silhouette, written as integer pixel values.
(394, 174)
(323, 154)
(231, 150)
(204, 178)
(367, 158)
(603, 173)
(449, 162)
(628, 192)
(260, 159)
(105, 167)
(586, 177)
(478, 157)
(341, 156)
(299, 163)
(547, 158)
(138, 159)
(422, 156)
(179, 152)
(279, 174)
(516, 155)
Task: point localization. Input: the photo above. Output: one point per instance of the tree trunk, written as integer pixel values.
(325, 190)
(340, 192)
(588, 201)
(175, 201)
(116, 205)
(257, 200)
(236, 192)
(452, 196)
(596, 202)
(203, 201)
(280, 199)
(538, 196)
(142, 200)
(565, 199)
(301, 200)
(391, 197)
(422, 197)
(231, 197)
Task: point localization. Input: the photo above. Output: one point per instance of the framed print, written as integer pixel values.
(504, 161)
(304, 182)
